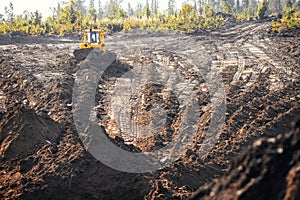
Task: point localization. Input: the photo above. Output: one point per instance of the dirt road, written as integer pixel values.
(143, 101)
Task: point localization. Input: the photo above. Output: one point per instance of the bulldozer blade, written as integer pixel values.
(81, 54)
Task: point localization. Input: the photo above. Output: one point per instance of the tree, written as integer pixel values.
(55, 11)
(245, 5)
(92, 14)
(154, 7)
(70, 17)
(171, 7)
(289, 3)
(116, 12)
(9, 12)
(81, 7)
(100, 9)
(195, 5)
(226, 7)
(111, 7)
(208, 11)
(262, 8)
(37, 18)
(249, 11)
(58, 9)
(251, 8)
(237, 6)
(289, 13)
(1, 18)
(130, 10)
(275, 6)
(187, 11)
(26, 15)
(139, 9)
(92, 4)
(147, 11)
(200, 6)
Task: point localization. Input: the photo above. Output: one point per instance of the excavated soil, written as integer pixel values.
(42, 157)
(269, 169)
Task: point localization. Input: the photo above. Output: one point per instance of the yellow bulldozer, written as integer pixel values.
(92, 39)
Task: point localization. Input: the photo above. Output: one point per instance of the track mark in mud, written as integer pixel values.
(247, 60)
(146, 105)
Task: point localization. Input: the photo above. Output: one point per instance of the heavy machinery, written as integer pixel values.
(92, 39)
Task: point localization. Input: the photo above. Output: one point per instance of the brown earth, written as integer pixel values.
(42, 156)
(269, 169)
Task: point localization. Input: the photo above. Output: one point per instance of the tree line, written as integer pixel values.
(73, 16)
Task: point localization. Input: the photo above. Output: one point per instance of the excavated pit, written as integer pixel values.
(42, 156)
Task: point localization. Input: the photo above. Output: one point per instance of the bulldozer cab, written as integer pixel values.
(92, 38)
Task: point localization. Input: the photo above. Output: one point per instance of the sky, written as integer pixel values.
(30, 5)
(44, 5)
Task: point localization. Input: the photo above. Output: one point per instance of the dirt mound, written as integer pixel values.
(23, 132)
(229, 19)
(269, 169)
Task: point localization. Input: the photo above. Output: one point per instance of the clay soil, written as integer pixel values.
(42, 157)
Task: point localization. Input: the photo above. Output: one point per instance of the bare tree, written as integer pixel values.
(171, 7)
(9, 12)
(130, 10)
(139, 9)
(100, 9)
(92, 4)
(1, 18)
(80, 6)
(154, 7)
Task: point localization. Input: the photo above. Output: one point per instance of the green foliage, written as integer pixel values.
(147, 11)
(289, 13)
(226, 7)
(249, 11)
(171, 7)
(290, 20)
(37, 18)
(116, 13)
(69, 18)
(289, 3)
(262, 8)
(72, 16)
(91, 18)
(208, 11)
(154, 7)
(187, 12)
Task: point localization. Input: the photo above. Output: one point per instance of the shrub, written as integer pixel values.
(290, 20)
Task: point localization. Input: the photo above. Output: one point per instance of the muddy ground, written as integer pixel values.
(42, 156)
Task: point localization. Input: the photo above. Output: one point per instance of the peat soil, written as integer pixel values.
(142, 103)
